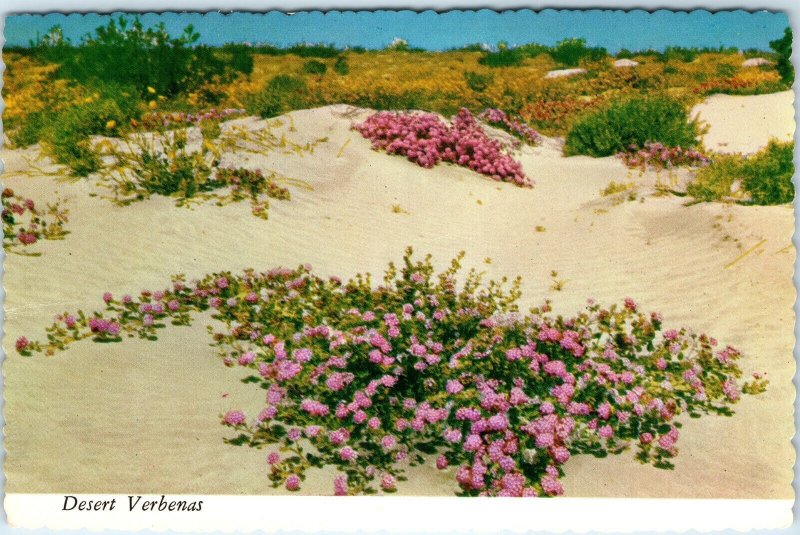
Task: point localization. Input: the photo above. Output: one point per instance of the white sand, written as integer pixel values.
(746, 123)
(143, 417)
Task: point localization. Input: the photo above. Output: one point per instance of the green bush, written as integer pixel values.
(315, 67)
(766, 176)
(341, 67)
(632, 122)
(570, 52)
(783, 48)
(478, 82)
(281, 94)
(304, 50)
(126, 53)
(503, 57)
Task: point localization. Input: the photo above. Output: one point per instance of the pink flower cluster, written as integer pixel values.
(517, 127)
(660, 156)
(364, 379)
(426, 140)
(25, 223)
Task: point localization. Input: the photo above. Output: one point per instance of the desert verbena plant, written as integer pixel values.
(426, 140)
(763, 178)
(422, 368)
(25, 222)
(632, 122)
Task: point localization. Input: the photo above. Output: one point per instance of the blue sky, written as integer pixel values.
(375, 29)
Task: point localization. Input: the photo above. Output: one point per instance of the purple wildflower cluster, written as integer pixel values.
(426, 140)
(371, 380)
(660, 156)
(25, 223)
(500, 119)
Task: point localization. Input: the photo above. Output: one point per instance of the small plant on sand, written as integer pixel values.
(25, 223)
(632, 122)
(426, 140)
(764, 177)
(370, 379)
(164, 165)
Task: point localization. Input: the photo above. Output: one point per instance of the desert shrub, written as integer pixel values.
(341, 67)
(281, 94)
(726, 70)
(315, 67)
(677, 53)
(502, 57)
(67, 135)
(369, 380)
(570, 52)
(150, 56)
(533, 50)
(783, 48)
(301, 50)
(632, 122)
(766, 176)
(424, 139)
(25, 222)
(478, 82)
(30, 130)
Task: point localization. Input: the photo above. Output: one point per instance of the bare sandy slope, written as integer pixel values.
(143, 417)
(745, 123)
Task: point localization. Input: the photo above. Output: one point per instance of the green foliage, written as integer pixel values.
(503, 57)
(281, 94)
(632, 122)
(315, 67)
(341, 67)
(478, 82)
(783, 47)
(303, 50)
(126, 53)
(726, 70)
(570, 52)
(766, 176)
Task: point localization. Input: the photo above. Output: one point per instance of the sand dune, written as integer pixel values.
(746, 123)
(143, 417)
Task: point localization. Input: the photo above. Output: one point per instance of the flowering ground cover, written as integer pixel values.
(438, 368)
(25, 222)
(426, 140)
(659, 156)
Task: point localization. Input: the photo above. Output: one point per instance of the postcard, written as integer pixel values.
(531, 271)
